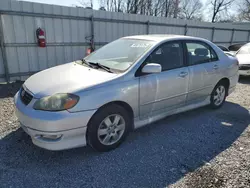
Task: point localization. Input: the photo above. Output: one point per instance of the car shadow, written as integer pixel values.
(153, 156)
(9, 89)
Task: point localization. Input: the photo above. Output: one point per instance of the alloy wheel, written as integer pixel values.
(219, 95)
(111, 129)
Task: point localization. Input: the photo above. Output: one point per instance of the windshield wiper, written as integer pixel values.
(85, 62)
(101, 66)
(91, 64)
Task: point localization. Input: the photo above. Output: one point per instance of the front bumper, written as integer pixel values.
(244, 72)
(244, 69)
(66, 139)
(53, 130)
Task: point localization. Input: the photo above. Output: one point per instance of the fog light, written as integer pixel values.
(49, 138)
(52, 137)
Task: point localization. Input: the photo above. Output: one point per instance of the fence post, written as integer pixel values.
(5, 63)
(186, 29)
(213, 34)
(148, 25)
(248, 38)
(92, 32)
(232, 37)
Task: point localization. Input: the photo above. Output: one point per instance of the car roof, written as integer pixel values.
(159, 38)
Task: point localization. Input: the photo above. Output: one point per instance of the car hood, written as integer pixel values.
(243, 59)
(65, 78)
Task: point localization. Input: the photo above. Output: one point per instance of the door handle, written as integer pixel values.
(183, 74)
(216, 66)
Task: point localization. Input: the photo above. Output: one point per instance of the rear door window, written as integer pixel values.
(199, 52)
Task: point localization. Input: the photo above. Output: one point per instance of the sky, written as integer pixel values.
(63, 2)
(72, 2)
(96, 4)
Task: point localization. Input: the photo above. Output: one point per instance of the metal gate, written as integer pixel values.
(68, 31)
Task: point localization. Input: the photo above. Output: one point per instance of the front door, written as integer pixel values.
(162, 92)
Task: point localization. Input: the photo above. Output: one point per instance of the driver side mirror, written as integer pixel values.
(151, 68)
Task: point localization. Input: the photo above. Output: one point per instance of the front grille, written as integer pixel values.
(244, 67)
(25, 96)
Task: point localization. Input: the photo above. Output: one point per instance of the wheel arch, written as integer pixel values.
(226, 81)
(123, 104)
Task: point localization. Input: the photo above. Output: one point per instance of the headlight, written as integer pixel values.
(57, 102)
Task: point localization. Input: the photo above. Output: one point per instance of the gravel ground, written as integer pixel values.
(200, 148)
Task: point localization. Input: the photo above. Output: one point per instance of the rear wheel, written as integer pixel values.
(108, 128)
(218, 95)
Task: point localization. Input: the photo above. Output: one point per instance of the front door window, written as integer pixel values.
(168, 55)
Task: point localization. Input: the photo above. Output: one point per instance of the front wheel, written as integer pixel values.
(218, 95)
(108, 128)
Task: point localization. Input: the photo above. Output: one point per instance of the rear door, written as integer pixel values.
(203, 70)
(161, 92)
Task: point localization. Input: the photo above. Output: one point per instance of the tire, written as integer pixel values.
(104, 135)
(218, 95)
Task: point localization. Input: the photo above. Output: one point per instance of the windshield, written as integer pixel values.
(244, 50)
(235, 47)
(120, 54)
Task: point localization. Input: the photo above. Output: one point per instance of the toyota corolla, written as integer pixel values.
(124, 85)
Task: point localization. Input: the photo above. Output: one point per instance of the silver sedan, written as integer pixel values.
(124, 85)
